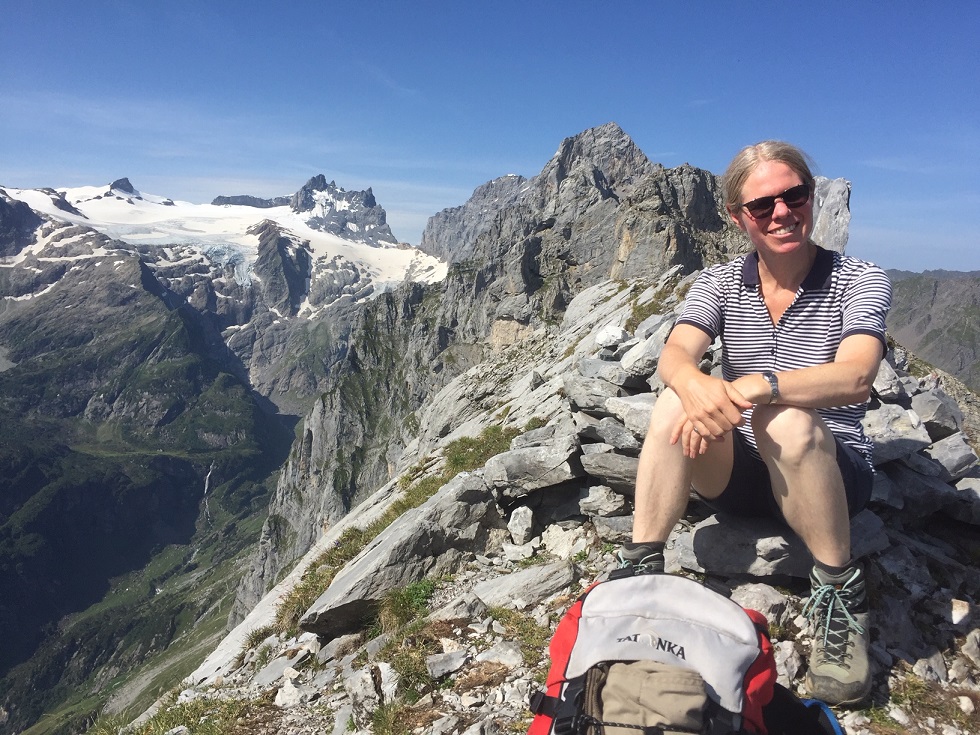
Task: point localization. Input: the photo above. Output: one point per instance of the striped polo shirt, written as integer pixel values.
(840, 296)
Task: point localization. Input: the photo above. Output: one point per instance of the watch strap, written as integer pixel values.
(770, 376)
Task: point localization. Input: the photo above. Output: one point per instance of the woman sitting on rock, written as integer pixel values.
(779, 434)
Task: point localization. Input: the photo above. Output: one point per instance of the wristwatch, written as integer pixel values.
(770, 376)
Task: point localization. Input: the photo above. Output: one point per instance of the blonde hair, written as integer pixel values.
(751, 156)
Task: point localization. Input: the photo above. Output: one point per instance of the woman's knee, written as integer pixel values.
(667, 411)
(790, 433)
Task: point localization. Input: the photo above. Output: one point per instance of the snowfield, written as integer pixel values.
(220, 233)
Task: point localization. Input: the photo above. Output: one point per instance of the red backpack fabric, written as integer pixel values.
(667, 619)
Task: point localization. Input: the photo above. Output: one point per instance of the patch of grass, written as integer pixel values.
(530, 637)
(318, 577)
(532, 561)
(469, 453)
(484, 674)
(204, 716)
(400, 607)
(928, 699)
(656, 305)
(256, 636)
(407, 653)
(535, 423)
(388, 719)
(919, 368)
(881, 722)
(400, 718)
(253, 640)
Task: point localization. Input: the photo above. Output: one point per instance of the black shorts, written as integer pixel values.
(749, 491)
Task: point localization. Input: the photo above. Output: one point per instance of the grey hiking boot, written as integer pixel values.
(839, 671)
(643, 558)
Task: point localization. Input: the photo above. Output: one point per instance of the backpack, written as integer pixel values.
(659, 654)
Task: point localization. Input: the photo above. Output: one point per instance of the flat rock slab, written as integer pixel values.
(724, 544)
(526, 587)
(613, 470)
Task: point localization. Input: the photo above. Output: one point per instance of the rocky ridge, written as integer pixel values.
(507, 547)
(519, 251)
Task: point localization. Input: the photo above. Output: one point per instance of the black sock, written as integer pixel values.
(651, 547)
(833, 571)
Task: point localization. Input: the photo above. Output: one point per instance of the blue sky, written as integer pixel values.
(425, 101)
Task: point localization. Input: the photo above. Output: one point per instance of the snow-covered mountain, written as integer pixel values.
(332, 230)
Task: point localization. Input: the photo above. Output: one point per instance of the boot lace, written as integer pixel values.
(829, 607)
(649, 564)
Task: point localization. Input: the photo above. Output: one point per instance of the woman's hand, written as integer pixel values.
(712, 407)
(692, 442)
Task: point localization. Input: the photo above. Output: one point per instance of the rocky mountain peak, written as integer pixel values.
(124, 186)
(353, 215)
(606, 148)
(18, 223)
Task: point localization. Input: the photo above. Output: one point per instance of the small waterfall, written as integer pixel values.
(207, 486)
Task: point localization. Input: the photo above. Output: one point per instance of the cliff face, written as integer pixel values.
(937, 316)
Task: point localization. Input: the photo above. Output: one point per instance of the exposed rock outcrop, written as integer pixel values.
(547, 499)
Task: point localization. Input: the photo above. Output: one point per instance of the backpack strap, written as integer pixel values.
(541, 704)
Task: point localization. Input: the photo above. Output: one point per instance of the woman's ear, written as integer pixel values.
(733, 213)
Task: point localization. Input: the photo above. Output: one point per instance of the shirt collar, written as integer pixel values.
(818, 278)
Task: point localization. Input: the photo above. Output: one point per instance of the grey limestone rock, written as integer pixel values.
(767, 600)
(521, 524)
(452, 233)
(831, 213)
(611, 336)
(590, 394)
(440, 664)
(641, 360)
(18, 225)
(527, 586)
(517, 472)
(352, 215)
(938, 412)
(464, 607)
(763, 548)
(430, 539)
(505, 652)
(273, 671)
(896, 432)
(888, 384)
(615, 470)
(615, 529)
(609, 371)
(611, 431)
(923, 494)
(633, 411)
(954, 454)
(966, 504)
(602, 501)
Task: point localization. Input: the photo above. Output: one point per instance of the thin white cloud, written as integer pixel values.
(904, 164)
(388, 82)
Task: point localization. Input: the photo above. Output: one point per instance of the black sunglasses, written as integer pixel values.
(794, 198)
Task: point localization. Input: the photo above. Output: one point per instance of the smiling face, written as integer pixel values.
(785, 230)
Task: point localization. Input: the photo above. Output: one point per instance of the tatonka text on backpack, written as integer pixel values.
(658, 654)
